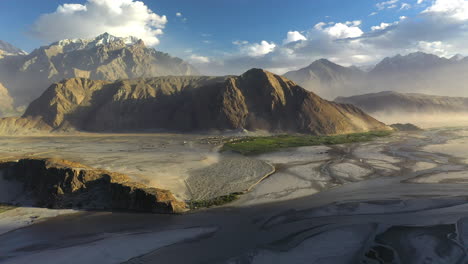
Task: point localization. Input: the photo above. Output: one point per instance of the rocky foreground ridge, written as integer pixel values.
(64, 184)
(255, 100)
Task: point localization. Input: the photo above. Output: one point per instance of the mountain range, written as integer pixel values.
(326, 78)
(105, 57)
(413, 73)
(254, 100)
(407, 103)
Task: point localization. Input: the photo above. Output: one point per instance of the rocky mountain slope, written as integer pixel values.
(326, 78)
(416, 73)
(6, 49)
(104, 58)
(394, 102)
(63, 184)
(254, 100)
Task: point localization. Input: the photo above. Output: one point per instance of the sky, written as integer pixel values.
(229, 37)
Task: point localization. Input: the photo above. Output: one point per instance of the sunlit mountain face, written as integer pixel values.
(233, 131)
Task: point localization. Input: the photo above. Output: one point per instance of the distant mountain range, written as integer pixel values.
(415, 73)
(326, 78)
(105, 57)
(407, 103)
(6, 49)
(254, 100)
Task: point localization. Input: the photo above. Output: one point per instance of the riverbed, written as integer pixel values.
(400, 199)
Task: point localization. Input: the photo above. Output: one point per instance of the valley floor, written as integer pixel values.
(398, 199)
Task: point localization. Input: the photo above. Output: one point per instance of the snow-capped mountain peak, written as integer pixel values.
(101, 40)
(6, 49)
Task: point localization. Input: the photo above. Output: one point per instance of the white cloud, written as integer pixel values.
(405, 6)
(320, 25)
(437, 47)
(71, 8)
(440, 30)
(117, 17)
(343, 30)
(259, 49)
(420, 2)
(240, 42)
(293, 36)
(373, 14)
(382, 26)
(199, 59)
(178, 14)
(387, 4)
(456, 9)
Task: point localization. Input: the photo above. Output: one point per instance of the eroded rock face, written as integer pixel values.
(254, 100)
(64, 184)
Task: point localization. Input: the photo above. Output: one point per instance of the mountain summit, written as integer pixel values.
(69, 45)
(254, 100)
(105, 57)
(325, 77)
(6, 49)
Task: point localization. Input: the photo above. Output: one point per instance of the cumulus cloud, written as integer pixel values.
(382, 26)
(387, 4)
(456, 9)
(259, 49)
(293, 36)
(440, 28)
(178, 14)
(117, 17)
(405, 6)
(199, 59)
(240, 42)
(349, 29)
(436, 47)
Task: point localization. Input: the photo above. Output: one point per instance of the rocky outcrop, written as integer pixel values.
(64, 184)
(256, 100)
(104, 58)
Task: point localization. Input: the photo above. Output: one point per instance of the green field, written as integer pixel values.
(218, 201)
(259, 145)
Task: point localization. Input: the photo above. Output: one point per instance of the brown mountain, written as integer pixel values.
(6, 102)
(255, 100)
(104, 58)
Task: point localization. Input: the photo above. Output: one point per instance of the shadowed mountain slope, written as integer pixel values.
(254, 100)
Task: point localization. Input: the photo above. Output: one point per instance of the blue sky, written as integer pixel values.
(205, 30)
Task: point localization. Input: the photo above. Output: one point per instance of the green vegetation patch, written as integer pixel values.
(259, 145)
(218, 201)
(5, 207)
